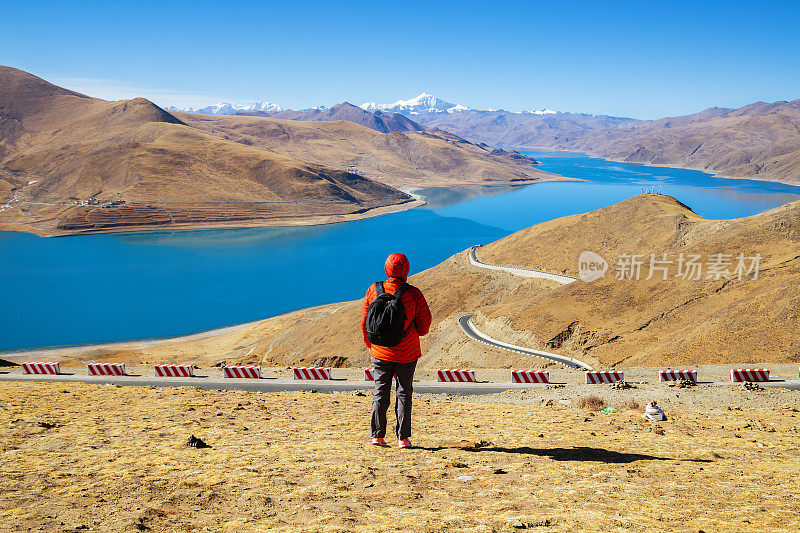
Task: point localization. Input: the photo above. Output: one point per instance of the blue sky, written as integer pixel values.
(641, 58)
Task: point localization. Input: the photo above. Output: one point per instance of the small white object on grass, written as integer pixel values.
(654, 412)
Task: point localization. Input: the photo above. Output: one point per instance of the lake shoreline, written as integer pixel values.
(714, 173)
(281, 222)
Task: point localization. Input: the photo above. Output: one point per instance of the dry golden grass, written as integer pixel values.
(592, 403)
(115, 459)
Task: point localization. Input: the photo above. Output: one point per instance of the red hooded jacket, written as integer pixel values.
(418, 315)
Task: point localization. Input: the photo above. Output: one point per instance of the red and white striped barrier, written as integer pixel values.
(749, 374)
(530, 376)
(452, 374)
(675, 375)
(604, 376)
(40, 368)
(175, 371)
(241, 371)
(106, 369)
(369, 374)
(312, 372)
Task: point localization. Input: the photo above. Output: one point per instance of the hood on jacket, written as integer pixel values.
(397, 266)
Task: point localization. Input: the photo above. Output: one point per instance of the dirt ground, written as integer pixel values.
(108, 458)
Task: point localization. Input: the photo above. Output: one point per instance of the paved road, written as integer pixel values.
(283, 384)
(523, 272)
(465, 321)
(270, 384)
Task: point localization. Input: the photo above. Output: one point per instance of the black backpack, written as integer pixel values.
(386, 317)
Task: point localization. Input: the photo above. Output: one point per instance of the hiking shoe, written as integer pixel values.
(379, 442)
(404, 443)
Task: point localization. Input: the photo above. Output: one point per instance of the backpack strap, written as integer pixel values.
(397, 294)
(401, 289)
(379, 288)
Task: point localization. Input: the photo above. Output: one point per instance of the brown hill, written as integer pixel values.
(608, 322)
(760, 140)
(71, 163)
(651, 322)
(397, 159)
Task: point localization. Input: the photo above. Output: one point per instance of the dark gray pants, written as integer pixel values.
(384, 375)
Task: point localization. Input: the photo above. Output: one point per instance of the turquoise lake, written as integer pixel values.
(99, 288)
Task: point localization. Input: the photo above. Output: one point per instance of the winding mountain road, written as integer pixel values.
(465, 321)
(523, 272)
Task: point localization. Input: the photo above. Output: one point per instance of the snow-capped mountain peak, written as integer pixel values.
(227, 108)
(423, 103)
(542, 112)
(264, 106)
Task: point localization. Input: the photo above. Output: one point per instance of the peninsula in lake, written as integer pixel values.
(70, 164)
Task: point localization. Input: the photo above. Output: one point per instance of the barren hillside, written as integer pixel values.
(71, 164)
(760, 140)
(523, 131)
(411, 159)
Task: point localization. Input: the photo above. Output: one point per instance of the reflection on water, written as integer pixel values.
(97, 288)
(437, 197)
(221, 237)
(708, 195)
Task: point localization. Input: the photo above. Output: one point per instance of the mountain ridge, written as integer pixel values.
(760, 140)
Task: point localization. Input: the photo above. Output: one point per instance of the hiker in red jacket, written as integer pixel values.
(395, 314)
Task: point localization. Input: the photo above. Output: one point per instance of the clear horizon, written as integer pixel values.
(616, 58)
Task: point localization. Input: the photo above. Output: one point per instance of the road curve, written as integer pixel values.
(465, 321)
(524, 272)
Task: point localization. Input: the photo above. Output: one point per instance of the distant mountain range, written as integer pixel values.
(70, 163)
(423, 103)
(376, 120)
(226, 108)
(498, 128)
(760, 140)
